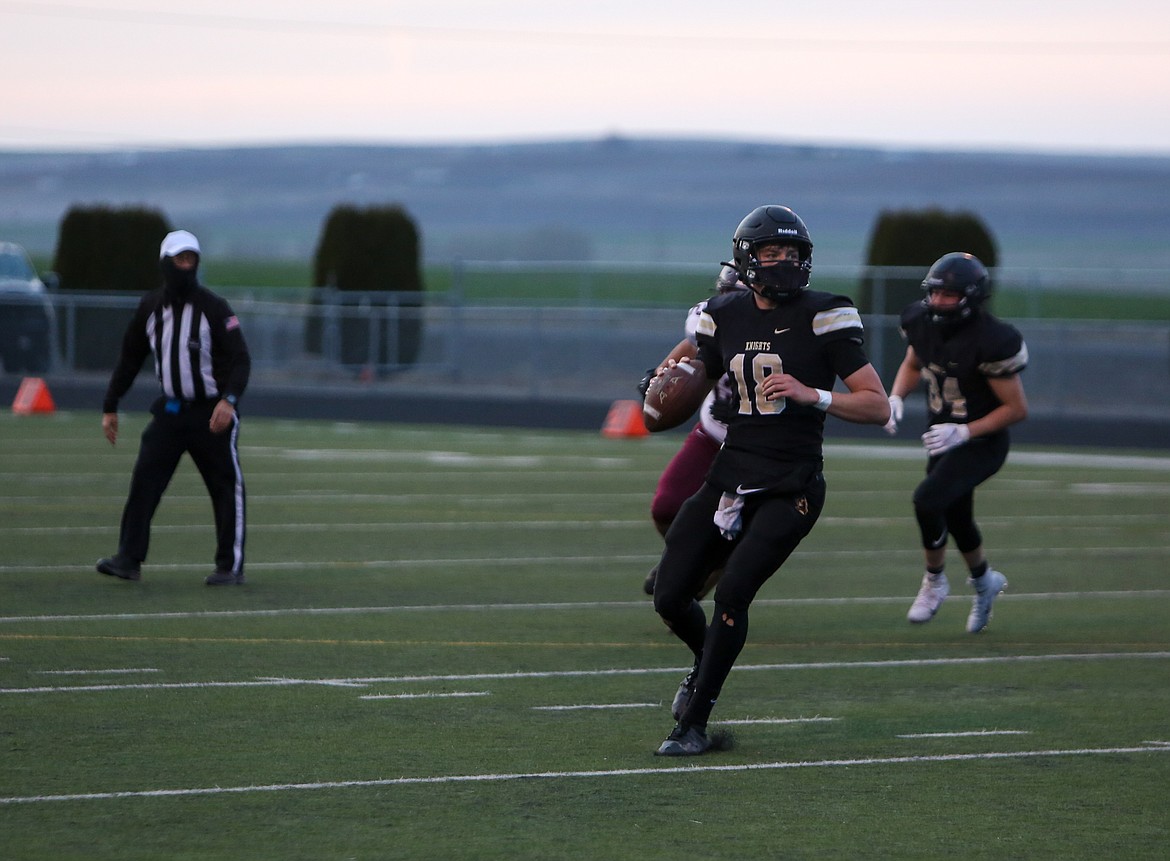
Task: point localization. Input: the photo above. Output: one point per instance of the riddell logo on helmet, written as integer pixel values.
(791, 231)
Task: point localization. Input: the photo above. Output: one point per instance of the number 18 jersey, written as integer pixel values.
(816, 337)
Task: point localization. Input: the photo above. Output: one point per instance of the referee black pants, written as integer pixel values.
(166, 438)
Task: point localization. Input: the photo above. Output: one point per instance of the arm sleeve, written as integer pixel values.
(711, 358)
(233, 361)
(135, 348)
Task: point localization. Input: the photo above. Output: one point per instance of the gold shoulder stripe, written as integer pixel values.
(705, 326)
(1006, 367)
(836, 319)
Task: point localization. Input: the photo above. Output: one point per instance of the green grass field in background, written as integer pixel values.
(443, 652)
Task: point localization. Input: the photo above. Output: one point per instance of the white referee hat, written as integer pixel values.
(176, 242)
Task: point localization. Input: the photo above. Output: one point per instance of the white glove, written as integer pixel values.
(944, 437)
(896, 411)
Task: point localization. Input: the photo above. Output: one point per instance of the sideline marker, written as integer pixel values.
(33, 397)
(624, 420)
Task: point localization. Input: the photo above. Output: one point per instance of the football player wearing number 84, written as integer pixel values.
(970, 362)
(783, 347)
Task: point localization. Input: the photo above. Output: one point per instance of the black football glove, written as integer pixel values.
(722, 410)
(644, 383)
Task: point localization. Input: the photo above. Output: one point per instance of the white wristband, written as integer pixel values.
(823, 400)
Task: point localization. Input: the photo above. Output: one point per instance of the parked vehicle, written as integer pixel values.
(28, 323)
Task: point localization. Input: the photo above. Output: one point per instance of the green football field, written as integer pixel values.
(443, 652)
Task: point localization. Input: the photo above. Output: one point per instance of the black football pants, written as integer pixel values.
(164, 441)
(773, 526)
(944, 502)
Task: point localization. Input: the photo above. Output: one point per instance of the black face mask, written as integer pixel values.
(179, 283)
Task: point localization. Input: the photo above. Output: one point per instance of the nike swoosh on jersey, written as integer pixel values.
(782, 331)
(743, 491)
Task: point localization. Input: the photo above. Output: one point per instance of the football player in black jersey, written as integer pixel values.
(971, 364)
(783, 347)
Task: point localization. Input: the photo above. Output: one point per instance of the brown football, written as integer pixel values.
(674, 395)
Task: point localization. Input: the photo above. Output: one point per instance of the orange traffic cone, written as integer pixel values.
(33, 397)
(624, 420)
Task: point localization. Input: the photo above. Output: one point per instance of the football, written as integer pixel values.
(674, 395)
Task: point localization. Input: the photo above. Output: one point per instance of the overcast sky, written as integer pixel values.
(1059, 76)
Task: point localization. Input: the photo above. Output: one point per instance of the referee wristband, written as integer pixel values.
(823, 400)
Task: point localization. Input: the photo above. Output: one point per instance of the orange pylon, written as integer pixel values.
(624, 420)
(33, 397)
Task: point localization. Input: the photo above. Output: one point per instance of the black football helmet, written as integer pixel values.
(962, 273)
(768, 225)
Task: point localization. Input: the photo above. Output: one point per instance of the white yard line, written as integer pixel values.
(365, 681)
(967, 734)
(596, 706)
(548, 605)
(425, 696)
(602, 560)
(685, 769)
(775, 721)
(1023, 521)
(115, 672)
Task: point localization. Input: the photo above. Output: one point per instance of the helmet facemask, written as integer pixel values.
(780, 281)
(948, 314)
(768, 225)
(962, 275)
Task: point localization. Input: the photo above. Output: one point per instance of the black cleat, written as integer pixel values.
(116, 567)
(684, 741)
(224, 578)
(682, 696)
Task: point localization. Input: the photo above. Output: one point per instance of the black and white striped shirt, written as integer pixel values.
(199, 351)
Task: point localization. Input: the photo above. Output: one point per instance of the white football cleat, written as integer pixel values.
(930, 597)
(987, 589)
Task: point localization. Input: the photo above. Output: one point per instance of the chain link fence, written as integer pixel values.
(584, 351)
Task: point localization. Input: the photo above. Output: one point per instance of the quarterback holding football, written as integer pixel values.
(782, 347)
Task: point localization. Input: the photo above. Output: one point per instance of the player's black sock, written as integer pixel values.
(979, 570)
(934, 572)
(725, 638)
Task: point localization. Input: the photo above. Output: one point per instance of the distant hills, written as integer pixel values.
(613, 199)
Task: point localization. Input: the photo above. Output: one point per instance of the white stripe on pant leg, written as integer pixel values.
(238, 543)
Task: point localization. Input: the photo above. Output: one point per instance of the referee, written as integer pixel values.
(202, 364)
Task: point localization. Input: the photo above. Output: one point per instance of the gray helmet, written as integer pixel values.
(728, 280)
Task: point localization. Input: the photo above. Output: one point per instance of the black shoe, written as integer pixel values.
(684, 741)
(682, 696)
(224, 578)
(116, 567)
(648, 583)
